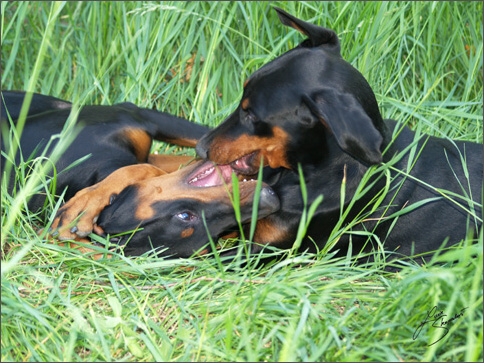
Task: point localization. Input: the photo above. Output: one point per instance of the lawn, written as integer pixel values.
(424, 61)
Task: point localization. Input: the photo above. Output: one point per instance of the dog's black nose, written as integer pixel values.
(201, 149)
(269, 201)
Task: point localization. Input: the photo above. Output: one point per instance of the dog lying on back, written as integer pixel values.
(117, 141)
(310, 108)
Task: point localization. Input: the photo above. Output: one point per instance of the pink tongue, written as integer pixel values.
(215, 175)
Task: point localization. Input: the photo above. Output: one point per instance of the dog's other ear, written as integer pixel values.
(353, 129)
(317, 35)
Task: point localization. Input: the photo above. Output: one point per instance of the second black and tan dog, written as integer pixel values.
(310, 107)
(172, 217)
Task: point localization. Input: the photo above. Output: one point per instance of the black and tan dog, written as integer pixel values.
(117, 141)
(310, 107)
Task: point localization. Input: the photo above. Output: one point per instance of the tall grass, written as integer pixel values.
(424, 61)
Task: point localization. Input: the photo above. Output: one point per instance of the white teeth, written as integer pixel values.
(202, 175)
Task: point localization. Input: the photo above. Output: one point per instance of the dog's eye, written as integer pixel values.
(251, 118)
(186, 216)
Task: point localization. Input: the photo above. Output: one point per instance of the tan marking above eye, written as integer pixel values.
(187, 232)
(245, 104)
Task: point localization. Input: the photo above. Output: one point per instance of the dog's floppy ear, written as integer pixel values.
(317, 35)
(353, 129)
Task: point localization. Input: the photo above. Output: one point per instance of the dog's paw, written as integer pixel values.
(78, 216)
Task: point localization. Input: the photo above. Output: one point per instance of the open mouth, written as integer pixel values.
(210, 174)
(246, 165)
(207, 174)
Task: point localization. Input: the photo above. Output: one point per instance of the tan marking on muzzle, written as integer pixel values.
(272, 149)
(169, 163)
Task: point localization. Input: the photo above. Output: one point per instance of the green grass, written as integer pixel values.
(424, 62)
